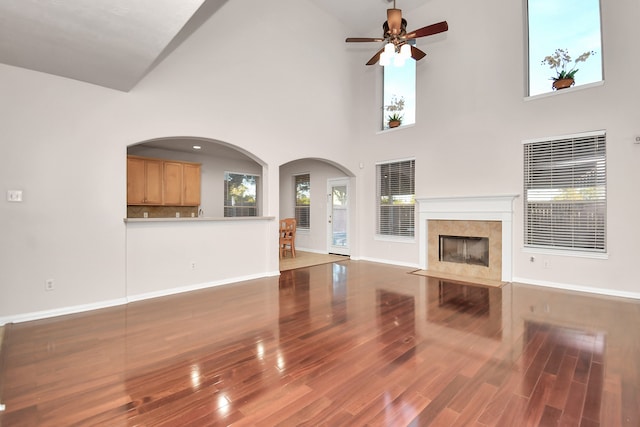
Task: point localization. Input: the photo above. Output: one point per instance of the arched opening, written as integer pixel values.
(220, 164)
(320, 194)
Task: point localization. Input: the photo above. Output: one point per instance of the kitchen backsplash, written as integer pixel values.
(161, 211)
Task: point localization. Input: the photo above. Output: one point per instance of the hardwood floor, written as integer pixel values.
(349, 343)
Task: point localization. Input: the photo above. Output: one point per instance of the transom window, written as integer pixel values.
(572, 26)
(399, 93)
(396, 198)
(565, 188)
(240, 194)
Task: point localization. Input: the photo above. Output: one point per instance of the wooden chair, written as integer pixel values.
(287, 237)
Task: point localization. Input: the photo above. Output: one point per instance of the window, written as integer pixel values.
(571, 25)
(399, 93)
(240, 195)
(565, 193)
(303, 200)
(396, 198)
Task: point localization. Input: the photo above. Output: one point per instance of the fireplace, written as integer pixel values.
(488, 218)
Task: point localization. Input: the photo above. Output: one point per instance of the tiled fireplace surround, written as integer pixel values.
(474, 216)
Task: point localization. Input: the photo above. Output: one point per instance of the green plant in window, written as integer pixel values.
(395, 117)
(395, 107)
(560, 61)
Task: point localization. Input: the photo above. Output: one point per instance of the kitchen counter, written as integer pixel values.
(199, 219)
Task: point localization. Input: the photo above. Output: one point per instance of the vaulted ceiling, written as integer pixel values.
(115, 43)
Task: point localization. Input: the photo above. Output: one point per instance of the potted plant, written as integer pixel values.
(394, 120)
(395, 108)
(559, 61)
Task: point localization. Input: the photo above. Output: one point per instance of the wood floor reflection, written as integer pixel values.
(349, 343)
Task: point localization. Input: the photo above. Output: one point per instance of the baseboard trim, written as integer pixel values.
(577, 288)
(196, 287)
(46, 314)
(313, 251)
(74, 309)
(386, 261)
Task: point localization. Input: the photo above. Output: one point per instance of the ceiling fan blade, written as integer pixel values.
(429, 30)
(394, 20)
(363, 39)
(375, 57)
(417, 54)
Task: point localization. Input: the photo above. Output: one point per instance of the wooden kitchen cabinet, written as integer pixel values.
(144, 181)
(172, 187)
(191, 184)
(162, 182)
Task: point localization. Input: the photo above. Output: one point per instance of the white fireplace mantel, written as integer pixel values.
(470, 208)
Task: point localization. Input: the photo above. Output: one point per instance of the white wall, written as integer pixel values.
(217, 252)
(472, 116)
(64, 143)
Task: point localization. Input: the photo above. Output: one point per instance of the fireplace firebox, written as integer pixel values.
(464, 250)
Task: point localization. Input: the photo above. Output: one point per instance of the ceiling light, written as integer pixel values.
(197, 147)
(405, 51)
(394, 54)
(385, 59)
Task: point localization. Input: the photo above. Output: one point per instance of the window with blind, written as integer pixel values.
(565, 192)
(396, 198)
(303, 200)
(240, 194)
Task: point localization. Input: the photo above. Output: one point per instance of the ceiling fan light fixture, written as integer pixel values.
(405, 51)
(385, 59)
(398, 61)
(398, 41)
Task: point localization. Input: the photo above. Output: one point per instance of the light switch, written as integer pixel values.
(14, 195)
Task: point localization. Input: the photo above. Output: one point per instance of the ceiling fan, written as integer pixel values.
(396, 36)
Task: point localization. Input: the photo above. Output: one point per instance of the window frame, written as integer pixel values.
(254, 207)
(565, 168)
(388, 231)
(299, 208)
(537, 62)
(409, 101)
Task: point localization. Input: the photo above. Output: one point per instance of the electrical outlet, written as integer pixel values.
(14, 196)
(193, 265)
(49, 285)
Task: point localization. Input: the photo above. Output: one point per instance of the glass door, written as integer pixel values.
(338, 216)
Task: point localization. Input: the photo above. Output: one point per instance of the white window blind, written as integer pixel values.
(566, 193)
(303, 200)
(396, 198)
